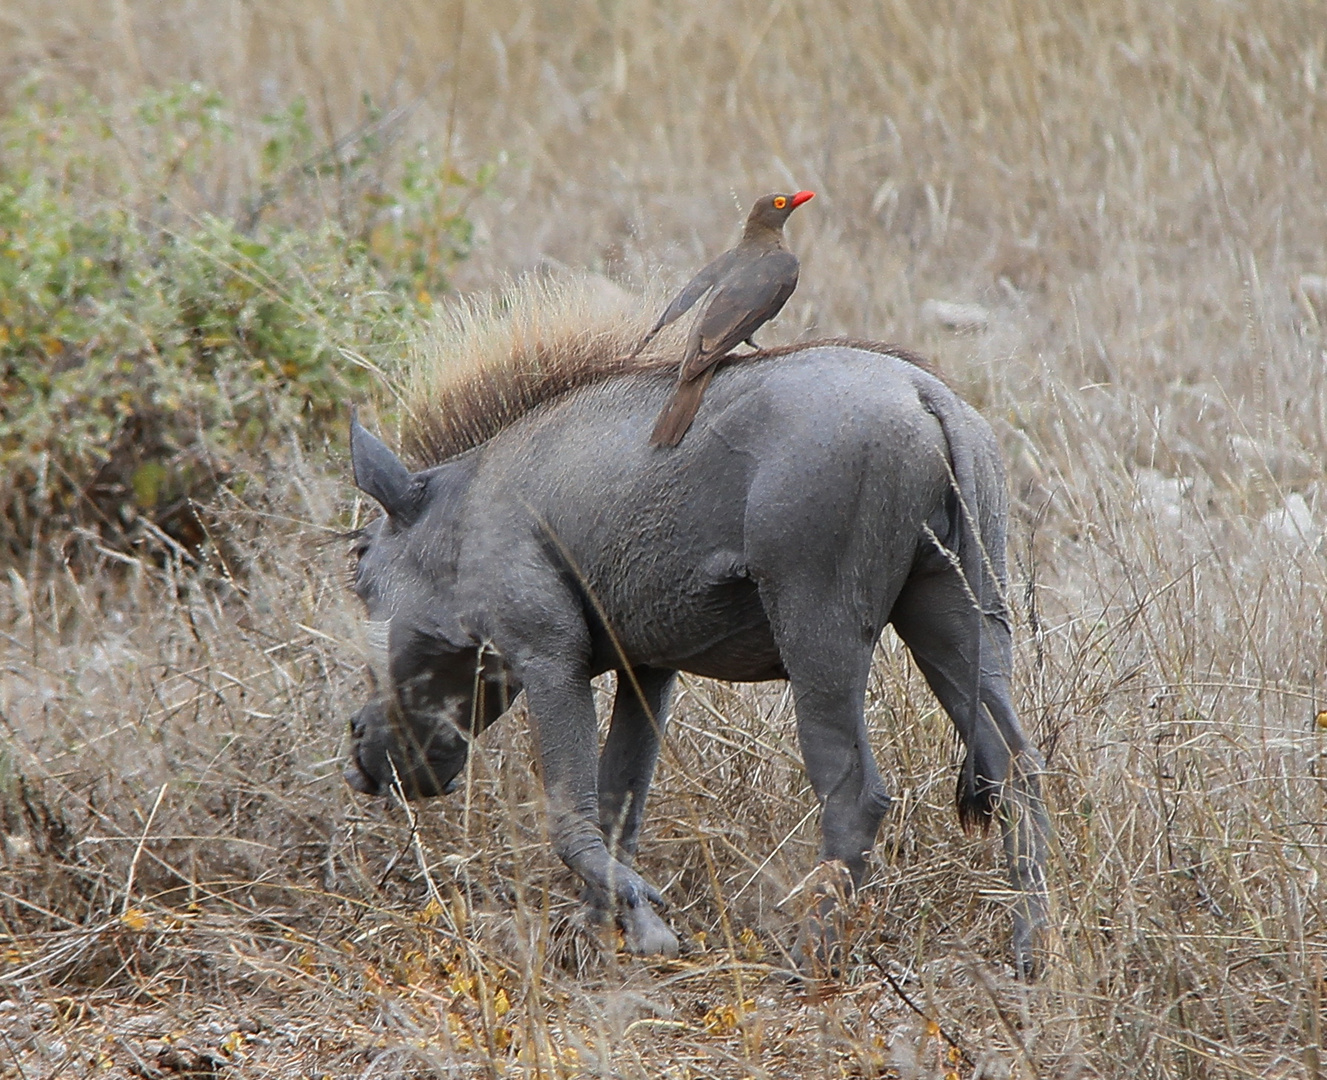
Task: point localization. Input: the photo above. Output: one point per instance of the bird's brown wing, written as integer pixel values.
(747, 298)
(694, 289)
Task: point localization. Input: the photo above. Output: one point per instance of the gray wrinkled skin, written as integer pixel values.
(819, 496)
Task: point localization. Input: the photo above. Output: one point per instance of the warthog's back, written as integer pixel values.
(831, 461)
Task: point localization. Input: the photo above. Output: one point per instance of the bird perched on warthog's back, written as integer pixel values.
(747, 286)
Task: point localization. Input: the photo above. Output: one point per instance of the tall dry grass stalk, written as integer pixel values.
(1128, 200)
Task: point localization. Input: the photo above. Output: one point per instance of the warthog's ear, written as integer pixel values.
(380, 474)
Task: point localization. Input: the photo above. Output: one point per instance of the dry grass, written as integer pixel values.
(1132, 193)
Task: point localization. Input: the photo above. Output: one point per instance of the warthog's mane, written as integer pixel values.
(489, 360)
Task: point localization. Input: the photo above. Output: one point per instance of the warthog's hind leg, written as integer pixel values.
(826, 649)
(831, 730)
(934, 616)
(1025, 829)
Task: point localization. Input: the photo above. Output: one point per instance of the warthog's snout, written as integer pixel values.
(384, 754)
(358, 779)
(354, 773)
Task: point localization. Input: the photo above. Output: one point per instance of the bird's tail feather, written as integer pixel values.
(678, 414)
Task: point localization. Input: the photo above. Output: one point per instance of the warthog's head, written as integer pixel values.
(438, 685)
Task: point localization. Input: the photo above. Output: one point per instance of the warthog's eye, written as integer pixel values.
(356, 555)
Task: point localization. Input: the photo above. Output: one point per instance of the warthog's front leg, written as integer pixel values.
(562, 706)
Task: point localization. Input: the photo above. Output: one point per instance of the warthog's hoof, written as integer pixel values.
(645, 933)
(821, 902)
(819, 951)
(1028, 954)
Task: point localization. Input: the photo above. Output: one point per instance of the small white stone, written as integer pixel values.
(1293, 521)
(1160, 495)
(1314, 286)
(955, 316)
(18, 848)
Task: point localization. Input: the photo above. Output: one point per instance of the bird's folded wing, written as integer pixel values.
(694, 290)
(739, 307)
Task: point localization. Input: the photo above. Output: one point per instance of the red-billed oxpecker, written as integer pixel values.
(747, 286)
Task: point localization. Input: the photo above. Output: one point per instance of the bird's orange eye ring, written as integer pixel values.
(780, 203)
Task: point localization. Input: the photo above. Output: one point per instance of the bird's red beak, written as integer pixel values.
(801, 197)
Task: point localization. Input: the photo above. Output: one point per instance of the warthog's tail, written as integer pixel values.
(986, 760)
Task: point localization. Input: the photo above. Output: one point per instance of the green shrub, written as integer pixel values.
(152, 344)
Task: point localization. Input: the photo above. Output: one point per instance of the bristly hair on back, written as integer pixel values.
(490, 359)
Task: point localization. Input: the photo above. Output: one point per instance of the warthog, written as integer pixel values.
(822, 494)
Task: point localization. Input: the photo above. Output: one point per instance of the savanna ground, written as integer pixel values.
(1125, 201)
